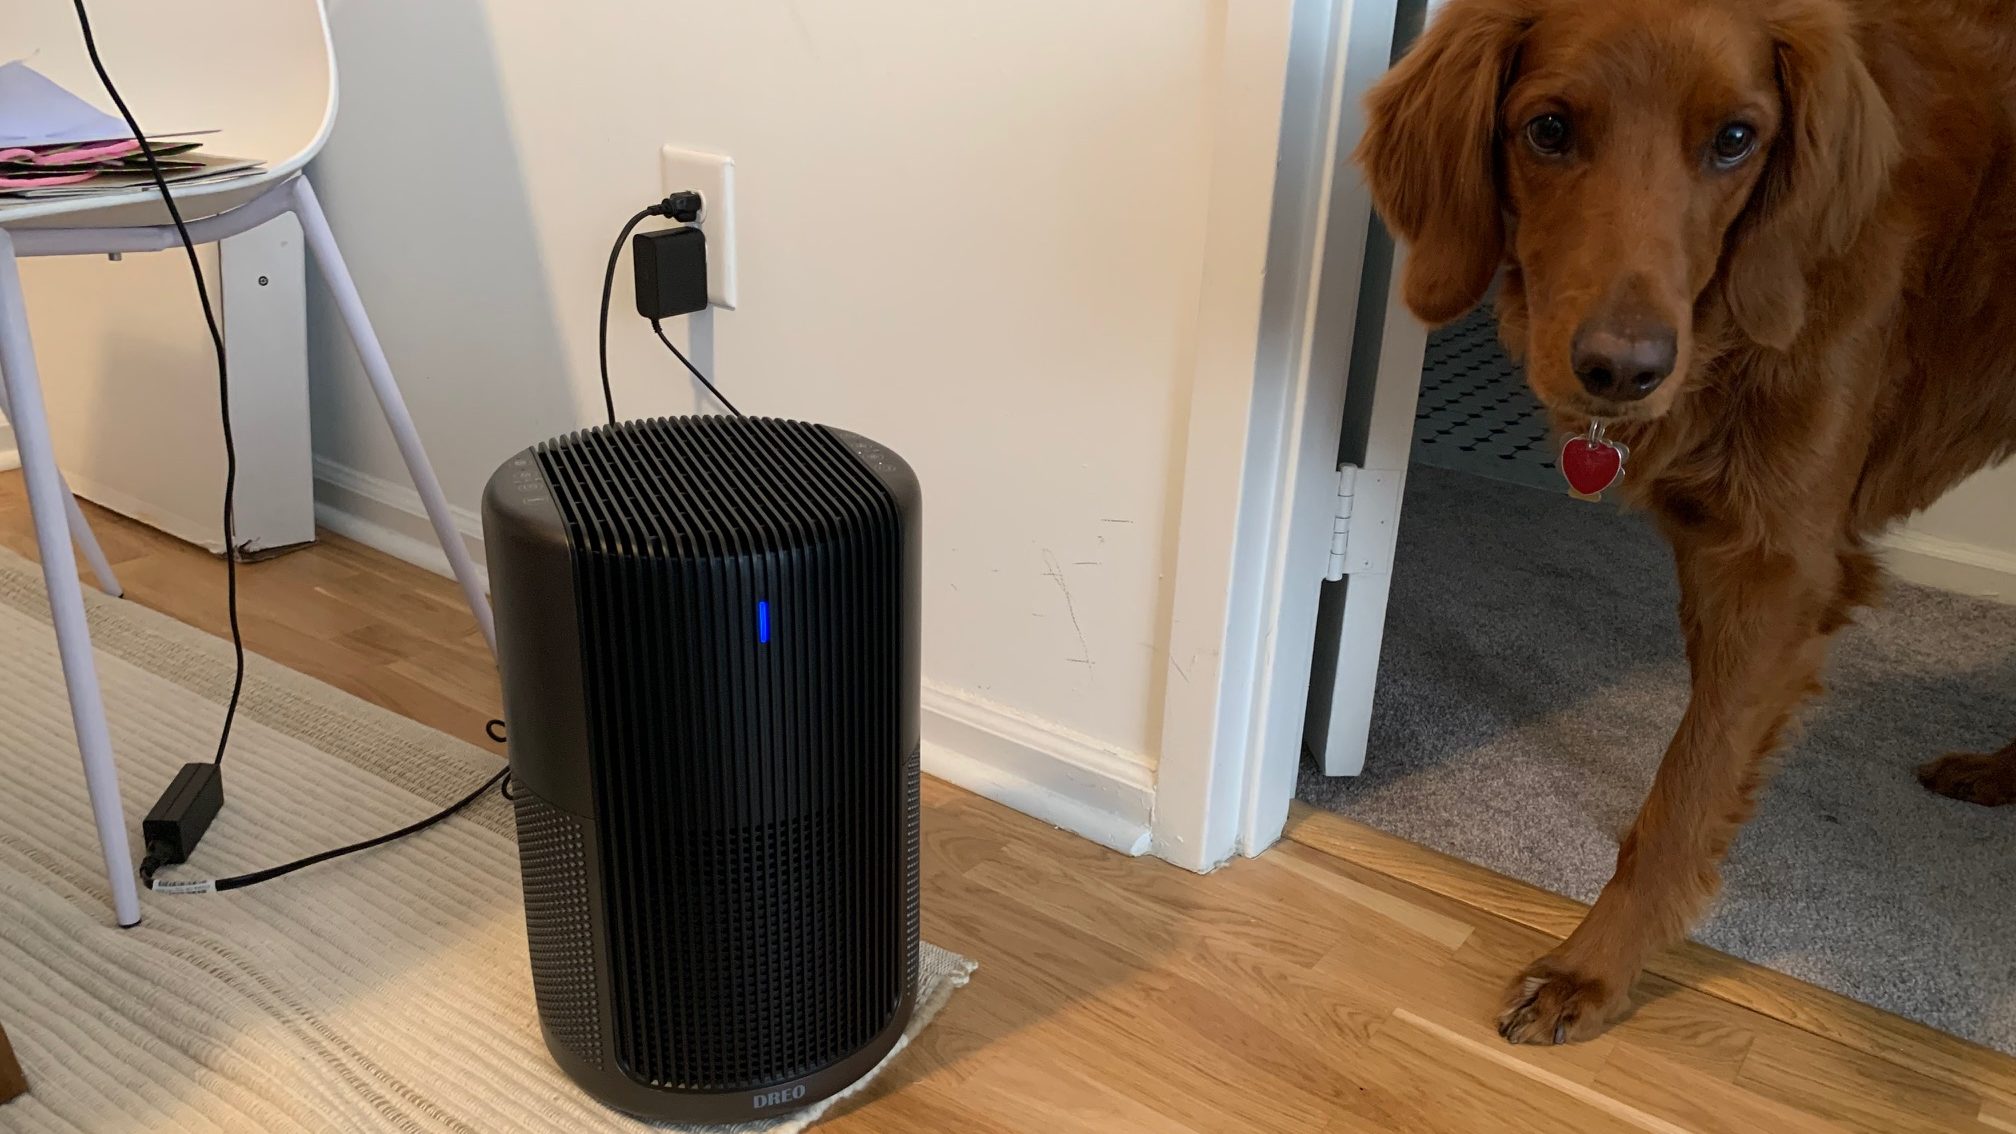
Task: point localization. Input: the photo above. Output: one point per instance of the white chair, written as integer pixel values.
(262, 72)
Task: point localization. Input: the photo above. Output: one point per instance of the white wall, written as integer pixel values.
(1967, 541)
(972, 231)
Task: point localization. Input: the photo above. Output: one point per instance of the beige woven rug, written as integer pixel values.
(387, 991)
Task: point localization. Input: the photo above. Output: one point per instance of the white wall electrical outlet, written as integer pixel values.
(714, 177)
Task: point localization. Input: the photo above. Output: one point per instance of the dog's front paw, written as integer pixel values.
(1970, 778)
(1551, 1002)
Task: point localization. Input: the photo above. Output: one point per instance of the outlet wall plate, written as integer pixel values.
(713, 175)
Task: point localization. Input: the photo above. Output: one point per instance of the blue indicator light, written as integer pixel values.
(763, 620)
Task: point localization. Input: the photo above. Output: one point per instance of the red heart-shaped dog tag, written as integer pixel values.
(1591, 463)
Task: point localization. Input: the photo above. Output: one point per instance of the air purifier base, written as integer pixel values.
(614, 1088)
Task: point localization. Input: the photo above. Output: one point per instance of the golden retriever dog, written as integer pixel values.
(1770, 245)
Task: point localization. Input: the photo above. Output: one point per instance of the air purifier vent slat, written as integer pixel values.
(740, 592)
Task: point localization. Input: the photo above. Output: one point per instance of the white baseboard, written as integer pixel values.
(10, 459)
(1039, 768)
(388, 517)
(1035, 766)
(206, 532)
(1964, 567)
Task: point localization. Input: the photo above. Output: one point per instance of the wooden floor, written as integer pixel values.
(1343, 982)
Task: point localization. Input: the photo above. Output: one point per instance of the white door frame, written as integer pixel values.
(1243, 618)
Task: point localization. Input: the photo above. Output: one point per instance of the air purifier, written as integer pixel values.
(707, 629)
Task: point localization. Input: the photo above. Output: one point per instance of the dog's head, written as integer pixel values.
(1647, 172)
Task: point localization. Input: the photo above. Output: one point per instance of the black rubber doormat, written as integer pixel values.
(1476, 414)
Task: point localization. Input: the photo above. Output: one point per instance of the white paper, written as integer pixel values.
(34, 111)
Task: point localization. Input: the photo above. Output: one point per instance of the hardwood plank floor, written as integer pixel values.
(1342, 983)
(12, 1082)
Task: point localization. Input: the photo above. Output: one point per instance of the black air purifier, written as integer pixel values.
(708, 634)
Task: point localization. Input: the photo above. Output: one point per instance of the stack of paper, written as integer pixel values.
(54, 144)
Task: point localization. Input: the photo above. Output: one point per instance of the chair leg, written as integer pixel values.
(80, 528)
(87, 542)
(46, 497)
(315, 228)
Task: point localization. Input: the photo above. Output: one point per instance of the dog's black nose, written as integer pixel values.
(1624, 366)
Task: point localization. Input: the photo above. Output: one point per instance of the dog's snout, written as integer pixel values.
(1624, 365)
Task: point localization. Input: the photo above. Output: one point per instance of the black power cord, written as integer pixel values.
(718, 396)
(683, 207)
(231, 548)
(182, 816)
(608, 284)
(177, 823)
(160, 854)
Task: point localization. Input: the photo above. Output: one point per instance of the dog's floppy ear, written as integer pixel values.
(1430, 152)
(1829, 168)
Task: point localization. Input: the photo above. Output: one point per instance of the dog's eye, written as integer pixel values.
(1548, 134)
(1733, 143)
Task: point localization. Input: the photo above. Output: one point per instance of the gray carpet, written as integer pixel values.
(1532, 674)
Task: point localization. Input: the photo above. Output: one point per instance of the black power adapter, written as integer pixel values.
(172, 830)
(671, 280)
(671, 268)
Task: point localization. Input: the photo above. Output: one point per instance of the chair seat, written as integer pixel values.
(140, 208)
(275, 103)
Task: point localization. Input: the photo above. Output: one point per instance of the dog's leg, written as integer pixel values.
(1989, 780)
(1756, 624)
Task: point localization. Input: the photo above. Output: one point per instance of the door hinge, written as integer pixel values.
(1366, 521)
(1340, 530)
